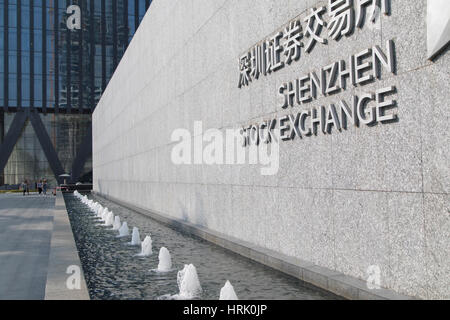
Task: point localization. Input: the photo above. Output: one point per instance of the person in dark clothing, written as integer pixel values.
(39, 185)
(44, 187)
(24, 187)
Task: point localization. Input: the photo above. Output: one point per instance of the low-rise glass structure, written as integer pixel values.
(56, 59)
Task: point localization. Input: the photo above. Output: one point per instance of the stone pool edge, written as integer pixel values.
(63, 253)
(332, 281)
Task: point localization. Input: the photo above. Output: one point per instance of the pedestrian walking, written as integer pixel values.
(44, 187)
(24, 187)
(39, 185)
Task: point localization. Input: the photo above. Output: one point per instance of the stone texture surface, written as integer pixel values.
(366, 196)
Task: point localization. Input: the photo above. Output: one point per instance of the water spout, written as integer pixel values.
(165, 261)
(188, 283)
(227, 292)
(104, 214)
(117, 224)
(101, 212)
(97, 208)
(124, 231)
(135, 238)
(109, 221)
(146, 247)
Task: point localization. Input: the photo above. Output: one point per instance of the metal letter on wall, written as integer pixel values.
(438, 24)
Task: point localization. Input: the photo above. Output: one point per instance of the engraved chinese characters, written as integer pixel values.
(339, 18)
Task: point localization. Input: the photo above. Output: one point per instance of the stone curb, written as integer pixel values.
(329, 280)
(63, 253)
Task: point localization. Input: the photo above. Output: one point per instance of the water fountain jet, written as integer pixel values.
(227, 292)
(101, 212)
(117, 224)
(97, 208)
(146, 247)
(165, 260)
(109, 220)
(135, 237)
(104, 214)
(124, 231)
(188, 283)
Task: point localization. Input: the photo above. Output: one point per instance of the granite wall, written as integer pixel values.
(373, 195)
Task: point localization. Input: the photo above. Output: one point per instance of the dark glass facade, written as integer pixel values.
(56, 70)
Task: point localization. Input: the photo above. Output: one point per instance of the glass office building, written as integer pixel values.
(56, 58)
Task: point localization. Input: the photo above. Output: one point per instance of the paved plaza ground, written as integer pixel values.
(26, 225)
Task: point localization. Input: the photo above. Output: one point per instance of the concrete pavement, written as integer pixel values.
(26, 225)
